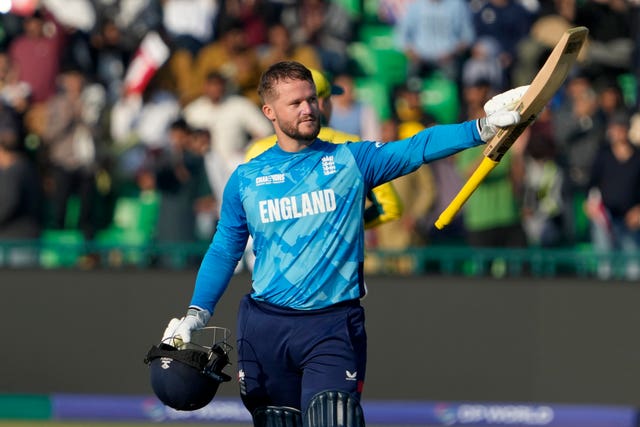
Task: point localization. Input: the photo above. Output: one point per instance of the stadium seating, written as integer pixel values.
(375, 93)
(61, 248)
(440, 98)
(375, 56)
(133, 228)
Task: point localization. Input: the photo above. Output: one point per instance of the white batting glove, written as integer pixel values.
(178, 332)
(488, 126)
(500, 112)
(505, 100)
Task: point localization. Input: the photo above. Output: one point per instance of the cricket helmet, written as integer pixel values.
(187, 378)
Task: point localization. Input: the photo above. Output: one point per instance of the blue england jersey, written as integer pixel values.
(304, 211)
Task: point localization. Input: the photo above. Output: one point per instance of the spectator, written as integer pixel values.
(139, 126)
(447, 183)
(610, 47)
(613, 205)
(111, 58)
(507, 22)
(280, 47)
(233, 121)
(20, 195)
(181, 180)
(232, 57)
(391, 11)
(324, 24)
(207, 207)
(435, 35)
(72, 118)
(579, 130)
(611, 99)
(407, 104)
(14, 93)
(484, 64)
(134, 19)
(11, 25)
(542, 201)
(491, 216)
(36, 55)
(351, 115)
(255, 15)
(635, 57)
(189, 24)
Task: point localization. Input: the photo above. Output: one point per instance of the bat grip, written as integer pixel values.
(465, 192)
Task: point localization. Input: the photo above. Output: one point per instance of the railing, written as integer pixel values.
(442, 260)
(78, 253)
(581, 262)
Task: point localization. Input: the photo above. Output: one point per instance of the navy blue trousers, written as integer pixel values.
(286, 356)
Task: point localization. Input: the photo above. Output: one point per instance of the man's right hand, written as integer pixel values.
(178, 331)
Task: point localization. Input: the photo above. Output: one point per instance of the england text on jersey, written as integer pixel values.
(313, 203)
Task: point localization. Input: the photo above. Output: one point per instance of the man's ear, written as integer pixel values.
(268, 112)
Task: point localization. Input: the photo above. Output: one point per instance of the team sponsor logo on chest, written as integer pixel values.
(276, 178)
(305, 204)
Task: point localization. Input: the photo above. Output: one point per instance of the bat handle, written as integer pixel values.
(465, 192)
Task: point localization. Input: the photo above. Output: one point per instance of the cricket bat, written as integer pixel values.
(544, 85)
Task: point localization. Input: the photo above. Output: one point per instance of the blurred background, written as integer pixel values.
(121, 120)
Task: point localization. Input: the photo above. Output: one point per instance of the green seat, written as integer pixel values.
(439, 97)
(124, 246)
(377, 36)
(61, 248)
(72, 214)
(137, 213)
(375, 93)
(629, 86)
(581, 222)
(378, 59)
(133, 228)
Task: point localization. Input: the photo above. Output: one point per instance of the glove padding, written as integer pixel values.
(505, 100)
(178, 332)
(500, 112)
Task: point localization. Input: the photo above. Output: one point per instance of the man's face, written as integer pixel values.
(617, 133)
(294, 110)
(214, 89)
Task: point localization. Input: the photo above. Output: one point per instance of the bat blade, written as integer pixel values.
(543, 87)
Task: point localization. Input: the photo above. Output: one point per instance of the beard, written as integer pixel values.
(292, 130)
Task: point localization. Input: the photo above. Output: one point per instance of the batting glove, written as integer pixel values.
(505, 100)
(500, 112)
(178, 332)
(488, 126)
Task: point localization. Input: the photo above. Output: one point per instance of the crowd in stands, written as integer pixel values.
(110, 101)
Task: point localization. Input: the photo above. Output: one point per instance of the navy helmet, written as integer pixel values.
(187, 378)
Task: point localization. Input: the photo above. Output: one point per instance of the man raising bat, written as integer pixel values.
(302, 202)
